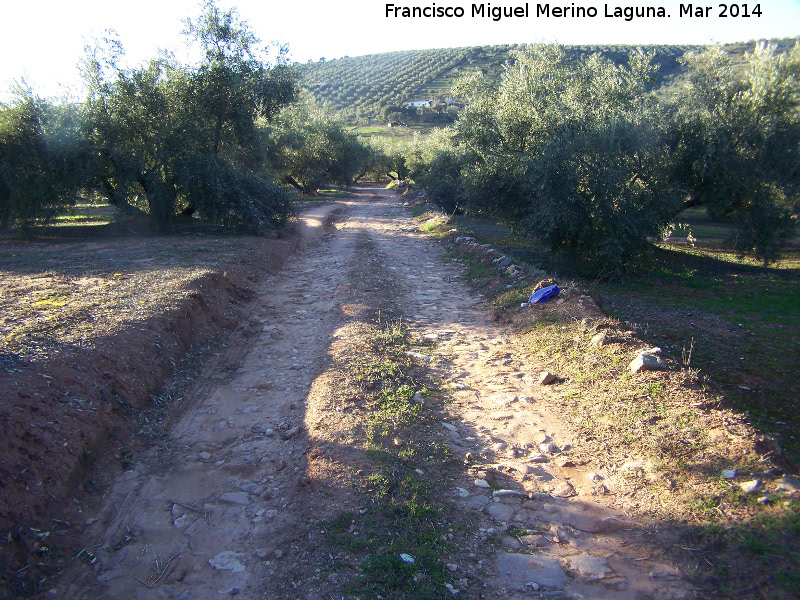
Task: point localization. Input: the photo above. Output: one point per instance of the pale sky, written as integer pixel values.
(42, 41)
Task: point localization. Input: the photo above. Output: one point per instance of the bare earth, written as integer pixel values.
(267, 448)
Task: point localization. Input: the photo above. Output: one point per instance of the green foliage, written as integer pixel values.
(309, 148)
(133, 121)
(232, 87)
(170, 136)
(585, 157)
(393, 409)
(43, 159)
(737, 132)
(387, 160)
(568, 152)
(240, 201)
(435, 163)
(767, 543)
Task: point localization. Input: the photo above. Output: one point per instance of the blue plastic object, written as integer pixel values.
(543, 295)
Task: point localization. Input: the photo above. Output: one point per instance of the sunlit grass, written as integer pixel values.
(731, 328)
(85, 214)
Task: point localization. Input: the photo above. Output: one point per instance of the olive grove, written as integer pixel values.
(594, 160)
(166, 138)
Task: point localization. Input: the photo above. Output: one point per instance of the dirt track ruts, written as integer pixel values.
(230, 509)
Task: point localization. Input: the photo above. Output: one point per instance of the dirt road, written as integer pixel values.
(268, 451)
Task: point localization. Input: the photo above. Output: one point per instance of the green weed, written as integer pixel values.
(399, 537)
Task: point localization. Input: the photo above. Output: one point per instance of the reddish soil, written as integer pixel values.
(91, 333)
(236, 470)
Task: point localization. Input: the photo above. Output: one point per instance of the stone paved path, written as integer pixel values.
(227, 512)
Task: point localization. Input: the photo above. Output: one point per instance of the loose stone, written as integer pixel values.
(522, 569)
(508, 494)
(788, 484)
(501, 512)
(748, 487)
(240, 498)
(511, 543)
(290, 433)
(478, 501)
(546, 378)
(634, 465)
(648, 362)
(181, 521)
(592, 568)
(599, 339)
(227, 561)
(564, 490)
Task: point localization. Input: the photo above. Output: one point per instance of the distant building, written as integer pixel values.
(418, 103)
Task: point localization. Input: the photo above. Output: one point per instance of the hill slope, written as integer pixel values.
(370, 88)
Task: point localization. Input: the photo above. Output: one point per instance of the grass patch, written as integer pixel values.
(730, 329)
(332, 193)
(766, 544)
(396, 137)
(399, 537)
(695, 226)
(393, 410)
(740, 321)
(437, 225)
(87, 214)
(656, 416)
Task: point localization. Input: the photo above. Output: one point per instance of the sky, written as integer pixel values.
(43, 41)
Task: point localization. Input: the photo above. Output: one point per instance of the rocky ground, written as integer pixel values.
(270, 473)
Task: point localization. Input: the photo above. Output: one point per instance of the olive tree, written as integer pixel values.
(44, 159)
(170, 137)
(736, 132)
(233, 86)
(586, 157)
(135, 122)
(309, 148)
(569, 152)
(436, 163)
(387, 160)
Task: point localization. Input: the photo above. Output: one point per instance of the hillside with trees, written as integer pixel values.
(378, 87)
(533, 131)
